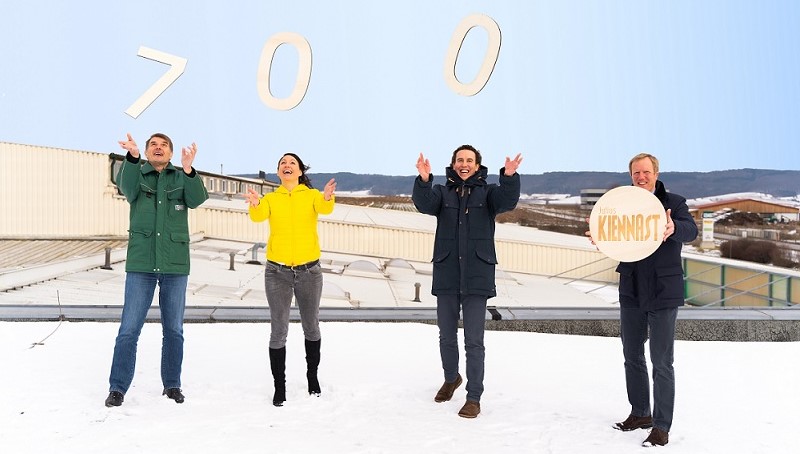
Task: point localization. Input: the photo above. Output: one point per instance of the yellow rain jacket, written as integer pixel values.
(293, 238)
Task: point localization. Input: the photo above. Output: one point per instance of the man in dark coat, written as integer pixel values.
(464, 258)
(650, 292)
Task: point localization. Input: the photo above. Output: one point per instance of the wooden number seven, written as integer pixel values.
(177, 66)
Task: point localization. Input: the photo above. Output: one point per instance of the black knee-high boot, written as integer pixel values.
(277, 362)
(312, 360)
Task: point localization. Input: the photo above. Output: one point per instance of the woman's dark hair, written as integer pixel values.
(303, 168)
(466, 147)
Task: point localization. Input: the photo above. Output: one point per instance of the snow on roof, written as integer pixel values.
(789, 202)
(351, 280)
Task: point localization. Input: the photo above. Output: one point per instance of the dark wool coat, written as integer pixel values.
(464, 255)
(656, 282)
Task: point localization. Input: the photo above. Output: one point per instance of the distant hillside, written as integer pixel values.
(779, 183)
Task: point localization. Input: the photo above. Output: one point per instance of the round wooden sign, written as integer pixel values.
(627, 223)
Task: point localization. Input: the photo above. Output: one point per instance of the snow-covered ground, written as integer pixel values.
(544, 393)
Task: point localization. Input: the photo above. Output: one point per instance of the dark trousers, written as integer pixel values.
(634, 326)
(447, 315)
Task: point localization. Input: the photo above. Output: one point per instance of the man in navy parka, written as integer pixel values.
(464, 258)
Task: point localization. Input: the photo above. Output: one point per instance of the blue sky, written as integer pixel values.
(578, 85)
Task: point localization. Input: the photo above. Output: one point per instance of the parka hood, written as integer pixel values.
(477, 179)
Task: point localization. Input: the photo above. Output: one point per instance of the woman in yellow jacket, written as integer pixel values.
(292, 264)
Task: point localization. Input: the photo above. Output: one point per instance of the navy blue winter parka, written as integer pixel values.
(656, 282)
(464, 256)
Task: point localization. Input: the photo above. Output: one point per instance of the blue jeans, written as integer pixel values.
(634, 326)
(447, 314)
(139, 290)
(306, 286)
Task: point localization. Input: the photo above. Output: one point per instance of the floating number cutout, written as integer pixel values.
(303, 70)
(177, 66)
(489, 60)
(303, 78)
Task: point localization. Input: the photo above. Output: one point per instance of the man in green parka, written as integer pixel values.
(158, 253)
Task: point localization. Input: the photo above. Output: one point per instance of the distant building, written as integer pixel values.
(217, 185)
(589, 197)
(768, 210)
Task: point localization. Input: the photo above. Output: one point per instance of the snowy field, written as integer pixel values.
(544, 394)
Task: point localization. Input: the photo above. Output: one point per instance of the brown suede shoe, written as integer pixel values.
(635, 422)
(470, 409)
(657, 437)
(446, 391)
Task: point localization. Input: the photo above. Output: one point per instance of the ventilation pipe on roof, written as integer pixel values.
(417, 285)
(107, 266)
(254, 260)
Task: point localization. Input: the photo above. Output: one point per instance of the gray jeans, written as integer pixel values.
(305, 285)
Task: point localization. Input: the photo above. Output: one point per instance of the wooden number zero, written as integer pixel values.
(489, 60)
(303, 70)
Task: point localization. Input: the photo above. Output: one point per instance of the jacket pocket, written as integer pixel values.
(179, 250)
(144, 187)
(669, 283)
(627, 292)
(145, 202)
(176, 203)
(440, 256)
(481, 222)
(175, 193)
(445, 274)
(447, 222)
(481, 271)
(487, 256)
(140, 247)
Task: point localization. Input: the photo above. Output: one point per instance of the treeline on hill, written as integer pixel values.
(779, 183)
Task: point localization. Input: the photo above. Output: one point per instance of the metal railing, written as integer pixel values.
(711, 284)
